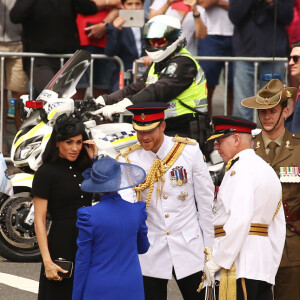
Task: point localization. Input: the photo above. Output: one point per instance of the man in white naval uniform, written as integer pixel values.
(248, 216)
(179, 204)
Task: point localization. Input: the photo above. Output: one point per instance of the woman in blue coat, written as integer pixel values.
(111, 235)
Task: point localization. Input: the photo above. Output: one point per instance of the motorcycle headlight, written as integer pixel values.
(27, 147)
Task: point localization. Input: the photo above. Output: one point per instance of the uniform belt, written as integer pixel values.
(255, 229)
(292, 216)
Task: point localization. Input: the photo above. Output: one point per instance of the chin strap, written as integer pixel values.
(276, 122)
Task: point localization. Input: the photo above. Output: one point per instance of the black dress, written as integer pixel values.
(59, 183)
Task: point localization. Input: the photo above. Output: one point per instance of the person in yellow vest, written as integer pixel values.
(178, 192)
(248, 217)
(281, 149)
(173, 77)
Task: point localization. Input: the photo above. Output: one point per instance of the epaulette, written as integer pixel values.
(124, 152)
(184, 140)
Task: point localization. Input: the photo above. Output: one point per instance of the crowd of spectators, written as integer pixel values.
(212, 28)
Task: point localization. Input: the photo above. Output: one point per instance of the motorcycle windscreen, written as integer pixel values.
(65, 80)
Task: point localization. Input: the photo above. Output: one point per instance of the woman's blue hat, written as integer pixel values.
(108, 175)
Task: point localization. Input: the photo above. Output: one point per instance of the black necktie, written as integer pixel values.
(272, 153)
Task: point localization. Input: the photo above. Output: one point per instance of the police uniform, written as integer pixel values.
(248, 218)
(177, 78)
(179, 209)
(286, 164)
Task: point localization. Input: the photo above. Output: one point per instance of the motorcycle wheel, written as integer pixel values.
(17, 239)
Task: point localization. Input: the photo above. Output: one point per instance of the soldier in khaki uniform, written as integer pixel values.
(284, 157)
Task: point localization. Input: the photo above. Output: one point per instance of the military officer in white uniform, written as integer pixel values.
(248, 216)
(179, 193)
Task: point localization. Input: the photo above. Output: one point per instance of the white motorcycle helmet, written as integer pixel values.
(167, 29)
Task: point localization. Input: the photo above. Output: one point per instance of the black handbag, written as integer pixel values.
(66, 265)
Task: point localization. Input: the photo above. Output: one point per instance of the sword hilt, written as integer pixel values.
(207, 257)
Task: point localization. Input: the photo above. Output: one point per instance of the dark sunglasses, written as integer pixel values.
(294, 58)
(159, 41)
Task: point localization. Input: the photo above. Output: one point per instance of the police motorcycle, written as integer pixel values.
(17, 237)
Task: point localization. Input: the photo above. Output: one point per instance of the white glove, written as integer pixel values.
(99, 100)
(210, 269)
(108, 110)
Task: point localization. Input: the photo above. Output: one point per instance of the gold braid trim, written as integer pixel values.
(184, 140)
(124, 152)
(278, 207)
(158, 169)
(227, 289)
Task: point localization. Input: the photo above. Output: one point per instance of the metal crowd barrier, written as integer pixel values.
(62, 57)
(136, 71)
(226, 60)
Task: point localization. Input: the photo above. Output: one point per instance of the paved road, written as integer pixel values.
(23, 285)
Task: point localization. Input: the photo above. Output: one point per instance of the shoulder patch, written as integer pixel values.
(171, 68)
(184, 140)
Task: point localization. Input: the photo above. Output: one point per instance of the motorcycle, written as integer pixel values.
(17, 237)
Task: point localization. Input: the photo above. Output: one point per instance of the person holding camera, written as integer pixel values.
(56, 191)
(125, 42)
(92, 31)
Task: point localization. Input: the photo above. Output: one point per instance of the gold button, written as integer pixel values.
(165, 196)
(166, 215)
(168, 232)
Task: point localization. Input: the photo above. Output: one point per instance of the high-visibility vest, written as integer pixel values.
(195, 96)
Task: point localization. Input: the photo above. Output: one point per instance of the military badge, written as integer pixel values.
(183, 195)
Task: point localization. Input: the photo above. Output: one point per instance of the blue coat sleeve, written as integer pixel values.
(83, 255)
(142, 239)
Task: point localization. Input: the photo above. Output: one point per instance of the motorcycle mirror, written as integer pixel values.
(34, 104)
(20, 104)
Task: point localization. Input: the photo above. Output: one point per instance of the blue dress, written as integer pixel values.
(111, 235)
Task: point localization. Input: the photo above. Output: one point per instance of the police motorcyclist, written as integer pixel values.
(174, 76)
